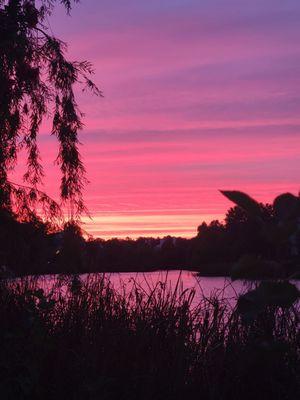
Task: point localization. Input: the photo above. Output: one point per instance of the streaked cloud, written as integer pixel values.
(199, 96)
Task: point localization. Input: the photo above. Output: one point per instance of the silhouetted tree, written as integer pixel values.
(244, 231)
(209, 245)
(72, 252)
(36, 80)
(24, 246)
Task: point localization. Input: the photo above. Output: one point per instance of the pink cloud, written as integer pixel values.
(197, 98)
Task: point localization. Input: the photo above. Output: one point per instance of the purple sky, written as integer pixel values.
(199, 96)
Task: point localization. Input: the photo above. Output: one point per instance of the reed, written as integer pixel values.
(83, 339)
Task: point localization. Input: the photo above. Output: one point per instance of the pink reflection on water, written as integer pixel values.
(170, 281)
(170, 285)
(180, 281)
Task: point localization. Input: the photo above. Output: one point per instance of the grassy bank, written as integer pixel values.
(84, 340)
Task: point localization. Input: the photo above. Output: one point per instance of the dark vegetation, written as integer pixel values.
(36, 82)
(240, 246)
(83, 340)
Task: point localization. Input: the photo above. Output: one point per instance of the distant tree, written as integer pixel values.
(214, 227)
(243, 232)
(37, 81)
(24, 247)
(237, 215)
(72, 254)
(209, 245)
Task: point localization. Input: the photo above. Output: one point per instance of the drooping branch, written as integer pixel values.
(36, 77)
(25, 200)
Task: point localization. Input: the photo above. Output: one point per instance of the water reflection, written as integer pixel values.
(179, 281)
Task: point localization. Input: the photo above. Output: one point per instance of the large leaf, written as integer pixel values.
(244, 201)
(287, 206)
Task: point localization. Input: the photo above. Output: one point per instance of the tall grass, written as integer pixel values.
(82, 339)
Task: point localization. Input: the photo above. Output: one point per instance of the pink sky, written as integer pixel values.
(199, 96)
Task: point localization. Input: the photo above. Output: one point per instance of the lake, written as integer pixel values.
(172, 280)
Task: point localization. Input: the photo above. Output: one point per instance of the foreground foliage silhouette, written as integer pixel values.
(83, 340)
(37, 81)
(283, 229)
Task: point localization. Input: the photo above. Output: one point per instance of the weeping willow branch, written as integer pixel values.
(37, 81)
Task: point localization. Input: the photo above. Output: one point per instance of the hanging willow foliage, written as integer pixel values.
(37, 81)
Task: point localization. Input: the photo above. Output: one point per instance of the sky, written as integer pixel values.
(198, 96)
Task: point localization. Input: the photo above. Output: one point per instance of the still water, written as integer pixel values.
(206, 286)
(171, 280)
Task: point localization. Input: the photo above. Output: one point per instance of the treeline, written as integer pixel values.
(35, 247)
